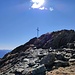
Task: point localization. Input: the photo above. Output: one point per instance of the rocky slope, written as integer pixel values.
(63, 71)
(39, 55)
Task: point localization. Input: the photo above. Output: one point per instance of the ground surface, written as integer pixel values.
(63, 71)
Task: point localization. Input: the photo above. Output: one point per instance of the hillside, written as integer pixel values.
(48, 52)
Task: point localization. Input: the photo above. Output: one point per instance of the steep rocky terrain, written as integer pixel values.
(40, 55)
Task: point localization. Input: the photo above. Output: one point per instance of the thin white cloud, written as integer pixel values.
(46, 8)
(51, 9)
(37, 3)
(42, 8)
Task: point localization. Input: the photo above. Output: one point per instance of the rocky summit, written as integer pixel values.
(50, 54)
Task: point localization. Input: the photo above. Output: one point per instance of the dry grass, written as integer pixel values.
(63, 71)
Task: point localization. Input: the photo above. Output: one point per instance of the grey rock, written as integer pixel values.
(40, 56)
(48, 60)
(66, 58)
(59, 63)
(26, 71)
(20, 70)
(71, 60)
(26, 60)
(31, 64)
(40, 70)
(59, 56)
(11, 74)
(68, 55)
(73, 56)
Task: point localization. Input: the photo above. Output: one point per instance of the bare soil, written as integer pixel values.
(63, 71)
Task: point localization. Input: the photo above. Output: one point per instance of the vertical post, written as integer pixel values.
(37, 32)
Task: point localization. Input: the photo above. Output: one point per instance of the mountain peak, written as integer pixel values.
(40, 52)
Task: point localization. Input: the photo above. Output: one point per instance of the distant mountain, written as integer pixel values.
(3, 52)
(40, 54)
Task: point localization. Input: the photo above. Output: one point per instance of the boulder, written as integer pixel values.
(59, 63)
(69, 55)
(20, 70)
(27, 71)
(48, 60)
(26, 60)
(40, 70)
(31, 64)
(71, 60)
(17, 73)
(59, 56)
(40, 56)
(73, 56)
(66, 58)
(11, 74)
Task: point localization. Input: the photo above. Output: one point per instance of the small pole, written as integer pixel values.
(37, 32)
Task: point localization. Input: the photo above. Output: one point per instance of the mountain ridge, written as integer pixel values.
(44, 48)
(45, 39)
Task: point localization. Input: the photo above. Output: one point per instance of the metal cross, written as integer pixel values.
(37, 32)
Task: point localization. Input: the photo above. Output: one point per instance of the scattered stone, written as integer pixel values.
(20, 70)
(40, 70)
(71, 60)
(31, 64)
(59, 63)
(48, 60)
(73, 56)
(59, 56)
(26, 60)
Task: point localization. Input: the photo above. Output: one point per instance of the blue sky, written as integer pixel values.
(19, 19)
